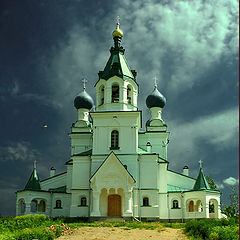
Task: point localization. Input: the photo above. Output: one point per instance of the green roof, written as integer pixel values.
(117, 65)
(201, 182)
(33, 182)
(58, 190)
(172, 188)
(86, 153)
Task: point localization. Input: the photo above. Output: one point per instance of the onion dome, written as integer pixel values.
(117, 32)
(155, 99)
(83, 100)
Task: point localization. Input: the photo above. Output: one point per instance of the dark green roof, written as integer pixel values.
(86, 153)
(172, 188)
(201, 182)
(33, 182)
(117, 65)
(58, 190)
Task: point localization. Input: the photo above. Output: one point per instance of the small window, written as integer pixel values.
(145, 201)
(211, 207)
(191, 206)
(129, 95)
(114, 139)
(83, 201)
(175, 204)
(34, 206)
(115, 93)
(58, 204)
(101, 95)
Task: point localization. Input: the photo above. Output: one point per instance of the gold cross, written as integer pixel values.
(84, 83)
(118, 20)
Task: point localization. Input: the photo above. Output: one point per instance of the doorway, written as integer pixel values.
(114, 205)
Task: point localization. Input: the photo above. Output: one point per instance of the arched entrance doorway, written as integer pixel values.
(114, 205)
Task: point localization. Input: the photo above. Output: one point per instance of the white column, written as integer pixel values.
(128, 200)
(95, 210)
(28, 208)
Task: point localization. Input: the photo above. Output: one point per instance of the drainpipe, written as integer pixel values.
(139, 191)
(89, 190)
(182, 205)
(168, 208)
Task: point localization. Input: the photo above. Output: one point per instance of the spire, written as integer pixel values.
(201, 182)
(117, 64)
(33, 182)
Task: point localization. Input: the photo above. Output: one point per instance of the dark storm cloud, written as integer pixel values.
(47, 47)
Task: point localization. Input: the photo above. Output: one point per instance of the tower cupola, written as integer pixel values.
(156, 102)
(83, 100)
(155, 99)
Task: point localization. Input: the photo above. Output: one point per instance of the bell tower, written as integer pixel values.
(116, 89)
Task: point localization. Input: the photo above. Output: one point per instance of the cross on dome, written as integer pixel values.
(35, 164)
(118, 20)
(155, 82)
(84, 83)
(200, 162)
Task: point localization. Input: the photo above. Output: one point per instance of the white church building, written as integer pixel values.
(116, 169)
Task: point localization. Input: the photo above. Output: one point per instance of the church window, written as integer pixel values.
(115, 93)
(211, 207)
(175, 204)
(42, 206)
(129, 94)
(83, 201)
(34, 206)
(145, 201)
(22, 207)
(58, 204)
(191, 206)
(114, 139)
(101, 95)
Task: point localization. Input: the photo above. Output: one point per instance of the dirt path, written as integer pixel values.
(102, 233)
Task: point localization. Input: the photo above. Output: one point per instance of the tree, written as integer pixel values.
(211, 183)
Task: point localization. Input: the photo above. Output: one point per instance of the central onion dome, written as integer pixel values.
(83, 100)
(117, 32)
(155, 99)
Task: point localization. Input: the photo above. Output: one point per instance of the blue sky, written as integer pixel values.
(47, 47)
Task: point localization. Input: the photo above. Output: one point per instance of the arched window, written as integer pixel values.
(114, 139)
(22, 207)
(211, 207)
(42, 206)
(199, 206)
(175, 204)
(83, 201)
(101, 95)
(191, 206)
(33, 206)
(58, 204)
(115, 93)
(145, 201)
(129, 94)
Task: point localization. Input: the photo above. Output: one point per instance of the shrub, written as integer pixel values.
(41, 233)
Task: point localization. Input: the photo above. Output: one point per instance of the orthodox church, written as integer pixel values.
(116, 169)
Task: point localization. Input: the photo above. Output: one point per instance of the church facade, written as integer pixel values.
(116, 169)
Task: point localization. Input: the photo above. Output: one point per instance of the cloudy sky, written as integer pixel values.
(47, 47)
